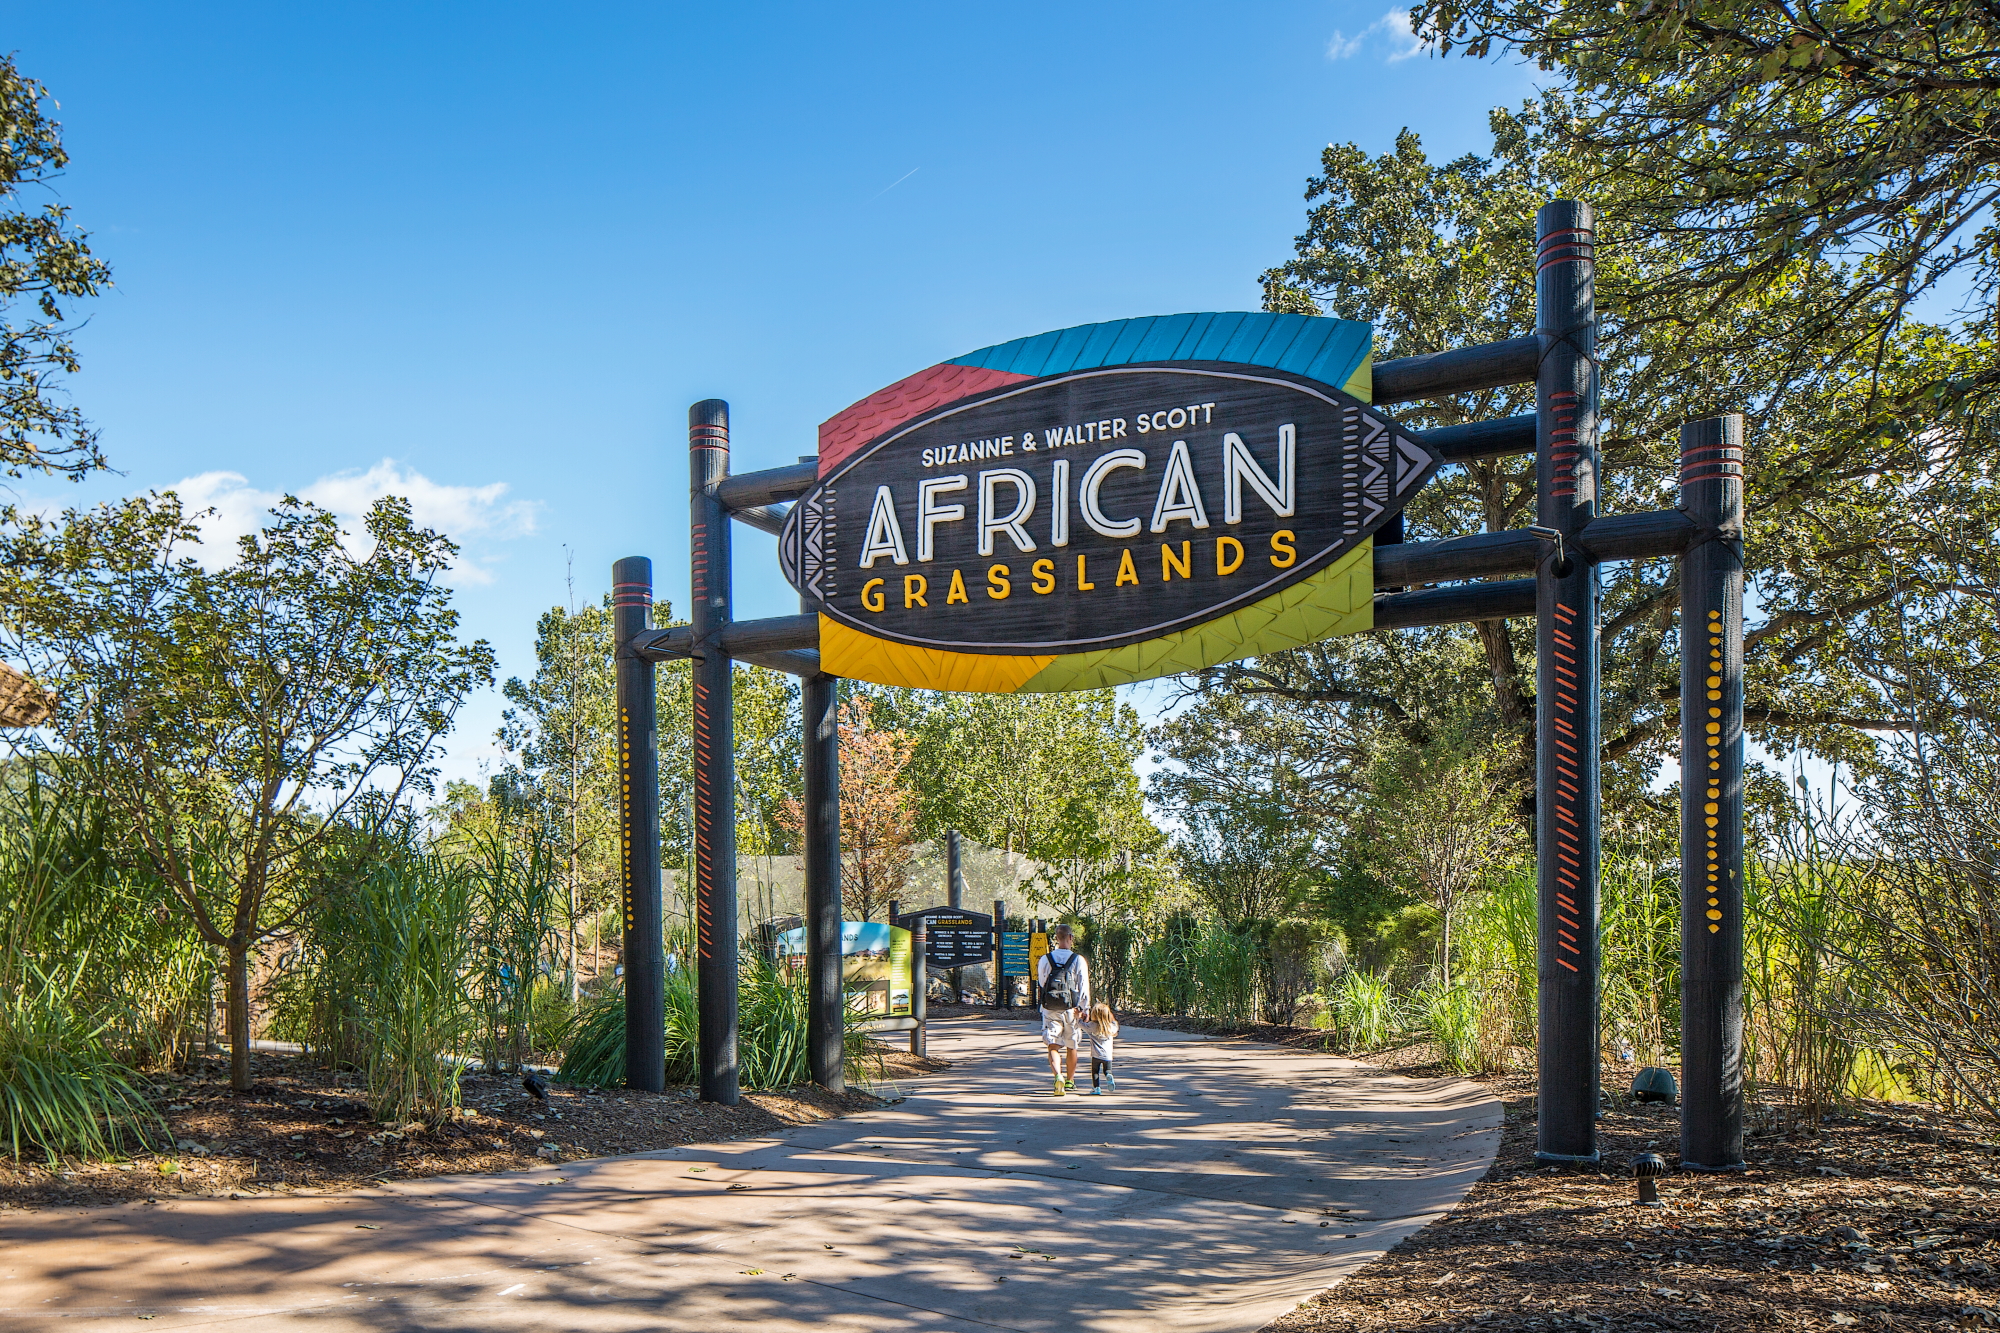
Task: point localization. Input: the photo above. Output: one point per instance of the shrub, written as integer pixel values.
(1363, 1010)
(771, 1032)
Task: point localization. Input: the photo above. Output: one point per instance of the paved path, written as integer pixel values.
(1195, 1199)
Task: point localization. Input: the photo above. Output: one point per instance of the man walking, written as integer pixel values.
(1064, 979)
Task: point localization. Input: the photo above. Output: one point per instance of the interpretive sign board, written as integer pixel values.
(953, 937)
(875, 965)
(1014, 954)
(1169, 494)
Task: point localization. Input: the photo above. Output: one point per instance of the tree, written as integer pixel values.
(261, 727)
(878, 818)
(44, 263)
(1757, 140)
(1047, 776)
(1847, 535)
(1441, 822)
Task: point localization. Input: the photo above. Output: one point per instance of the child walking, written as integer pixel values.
(1103, 1031)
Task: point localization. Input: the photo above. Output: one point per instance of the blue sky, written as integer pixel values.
(486, 255)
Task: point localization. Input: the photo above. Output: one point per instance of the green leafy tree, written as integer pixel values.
(1756, 141)
(1438, 255)
(45, 263)
(1046, 776)
(1441, 823)
(261, 726)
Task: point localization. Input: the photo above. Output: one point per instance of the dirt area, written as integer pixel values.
(303, 1127)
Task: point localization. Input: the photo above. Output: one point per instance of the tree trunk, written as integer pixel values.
(238, 1021)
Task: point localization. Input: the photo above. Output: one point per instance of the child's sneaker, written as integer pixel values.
(1097, 1092)
(1111, 1082)
(1059, 1087)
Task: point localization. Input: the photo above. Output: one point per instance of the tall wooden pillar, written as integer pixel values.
(819, 698)
(1566, 685)
(714, 756)
(1712, 797)
(639, 811)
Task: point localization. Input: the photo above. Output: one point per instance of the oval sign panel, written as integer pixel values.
(1105, 522)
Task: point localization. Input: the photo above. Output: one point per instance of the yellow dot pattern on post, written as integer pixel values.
(625, 815)
(1713, 808)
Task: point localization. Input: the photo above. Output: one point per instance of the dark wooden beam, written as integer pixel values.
(764, 518)
(1461, 370)
(1489, 554)
(752, 490)
(1460, 602)
(1484, 439)
(739, 638)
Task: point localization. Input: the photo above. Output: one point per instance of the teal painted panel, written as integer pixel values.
(1284, 330)
(1305, 349)
(1129, 337)
(1343, 355)
(1191, 339)
(1217, 335)
(1067, 354)
(1166, 335)
(1325, 349)
(1097, 348)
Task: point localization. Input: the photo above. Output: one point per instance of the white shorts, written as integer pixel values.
(1059, 1028)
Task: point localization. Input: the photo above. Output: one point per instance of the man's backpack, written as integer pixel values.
(1062, 990)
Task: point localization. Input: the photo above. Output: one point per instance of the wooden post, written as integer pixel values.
(714, 756)
(954, 896)
(1712, 797)
(826, 1013)
(919, 983)
(1003, 985)
(639, 823)
(1566, 685)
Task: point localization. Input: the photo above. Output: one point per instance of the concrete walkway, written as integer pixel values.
(1220, 1186)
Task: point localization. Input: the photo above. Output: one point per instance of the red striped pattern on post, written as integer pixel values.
(1566, 246)
(1569, 791)
(1712, 463)
(632, 594)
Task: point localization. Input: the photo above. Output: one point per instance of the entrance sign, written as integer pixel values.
(1227, 474)
(953, 937)
(1108, 518)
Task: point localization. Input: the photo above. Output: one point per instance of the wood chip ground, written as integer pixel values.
(303, 1127)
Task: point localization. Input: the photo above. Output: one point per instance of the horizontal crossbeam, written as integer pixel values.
(791, 643)
(773, 485)
(1485, 555)
(764, 518)
(1459, 602)
(1461, 370)
(1483, 439)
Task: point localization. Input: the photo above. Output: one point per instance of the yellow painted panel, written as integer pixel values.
(857, 656)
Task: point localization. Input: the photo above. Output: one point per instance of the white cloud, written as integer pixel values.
(1392, 30)
(463, 513)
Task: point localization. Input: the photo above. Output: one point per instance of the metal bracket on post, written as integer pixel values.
(1566, 686)
(1712, 797)
(714, 756)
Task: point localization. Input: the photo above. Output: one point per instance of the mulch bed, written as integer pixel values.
(303, 1127)
(1887, 1218)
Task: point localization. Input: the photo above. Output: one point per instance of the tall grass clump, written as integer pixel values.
(516, 870)
(1362, 1010)
(73, 979)
(383, 978)
(771, 1034)
(1198, 968)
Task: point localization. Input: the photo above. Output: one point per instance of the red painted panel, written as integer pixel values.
(911, 396)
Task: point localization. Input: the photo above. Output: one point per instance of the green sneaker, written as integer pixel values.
(1059, 1087)
(1069, 1085)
